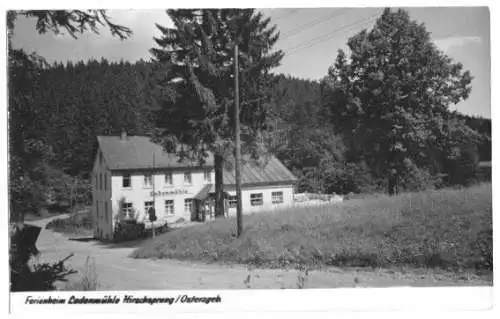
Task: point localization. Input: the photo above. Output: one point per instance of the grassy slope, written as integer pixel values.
(446, 229)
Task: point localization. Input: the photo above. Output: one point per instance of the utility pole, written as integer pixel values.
(239, 217)
(154, 197)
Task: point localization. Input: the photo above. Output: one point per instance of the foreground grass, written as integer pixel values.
(87, 280)
(449, 229)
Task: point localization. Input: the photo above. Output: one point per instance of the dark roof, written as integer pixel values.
(207, 192)
(203, 193)
(136, 152)
(269, 170)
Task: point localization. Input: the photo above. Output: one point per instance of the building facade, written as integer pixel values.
(131, 174)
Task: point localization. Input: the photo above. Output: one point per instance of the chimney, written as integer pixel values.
(123, 136)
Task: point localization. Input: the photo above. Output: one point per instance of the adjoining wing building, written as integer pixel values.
(131, 174)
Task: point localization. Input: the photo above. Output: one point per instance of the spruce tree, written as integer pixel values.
(197, 93)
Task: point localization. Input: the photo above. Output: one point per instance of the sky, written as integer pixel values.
(309, 37)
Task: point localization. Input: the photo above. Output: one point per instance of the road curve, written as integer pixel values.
(116, 271)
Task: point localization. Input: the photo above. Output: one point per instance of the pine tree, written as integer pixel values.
(196, 59)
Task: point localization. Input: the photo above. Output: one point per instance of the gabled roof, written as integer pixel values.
(269, 170)
(136, 152)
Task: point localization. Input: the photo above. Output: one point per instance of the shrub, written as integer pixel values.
(37, 277)
(158, 230)
(463, 166)
(338, 178)
(415, 179)
(79, 223)
(128, 230)
(346, 178)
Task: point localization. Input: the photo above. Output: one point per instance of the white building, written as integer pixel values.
(132, 174)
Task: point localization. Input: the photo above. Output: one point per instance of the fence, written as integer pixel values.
(317, 198)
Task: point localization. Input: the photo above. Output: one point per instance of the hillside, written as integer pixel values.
(449, 229)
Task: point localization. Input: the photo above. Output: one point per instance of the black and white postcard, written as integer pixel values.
(201, 160)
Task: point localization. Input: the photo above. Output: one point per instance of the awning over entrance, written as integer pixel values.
(208, 191)
(204, 192)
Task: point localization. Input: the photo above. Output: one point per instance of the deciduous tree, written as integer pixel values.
(391, 96)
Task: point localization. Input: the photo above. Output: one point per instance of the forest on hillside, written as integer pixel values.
(327, 132)
(75, 102)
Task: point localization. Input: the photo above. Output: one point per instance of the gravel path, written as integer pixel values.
(117, 271)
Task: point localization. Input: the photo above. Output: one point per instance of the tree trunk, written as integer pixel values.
(219, 186)
(392, 185)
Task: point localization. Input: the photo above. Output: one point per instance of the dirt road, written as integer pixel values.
(117, 271)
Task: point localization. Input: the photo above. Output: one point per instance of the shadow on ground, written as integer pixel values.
(109, 244)
(126, 244)
(83, 239)
(103, 244)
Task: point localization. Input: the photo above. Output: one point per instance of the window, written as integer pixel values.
(187, 178)
(126, 181)
(96, 185)
(106, 210)
(105, 181)
(168, 179)
(100, 181)
(207, 176)
(169, 207)
(148, 180)
(148, 205)
(127, 209)
(277, 197)
(188, 205)
(97, 209)
(232, 201)
(256, 199)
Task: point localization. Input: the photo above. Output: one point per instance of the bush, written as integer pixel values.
(463, 166)
(38, 277)
(338, 178)
(79, 223)
(415, 179)
(449, 229)
(341, 179)
(158, 230)
(129, 230)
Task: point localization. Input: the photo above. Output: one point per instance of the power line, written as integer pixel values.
(310, 24)
(328, 35)
(290, 12)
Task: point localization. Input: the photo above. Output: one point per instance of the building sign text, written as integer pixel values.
(171, 192)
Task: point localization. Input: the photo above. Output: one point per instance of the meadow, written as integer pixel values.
(449, 229)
